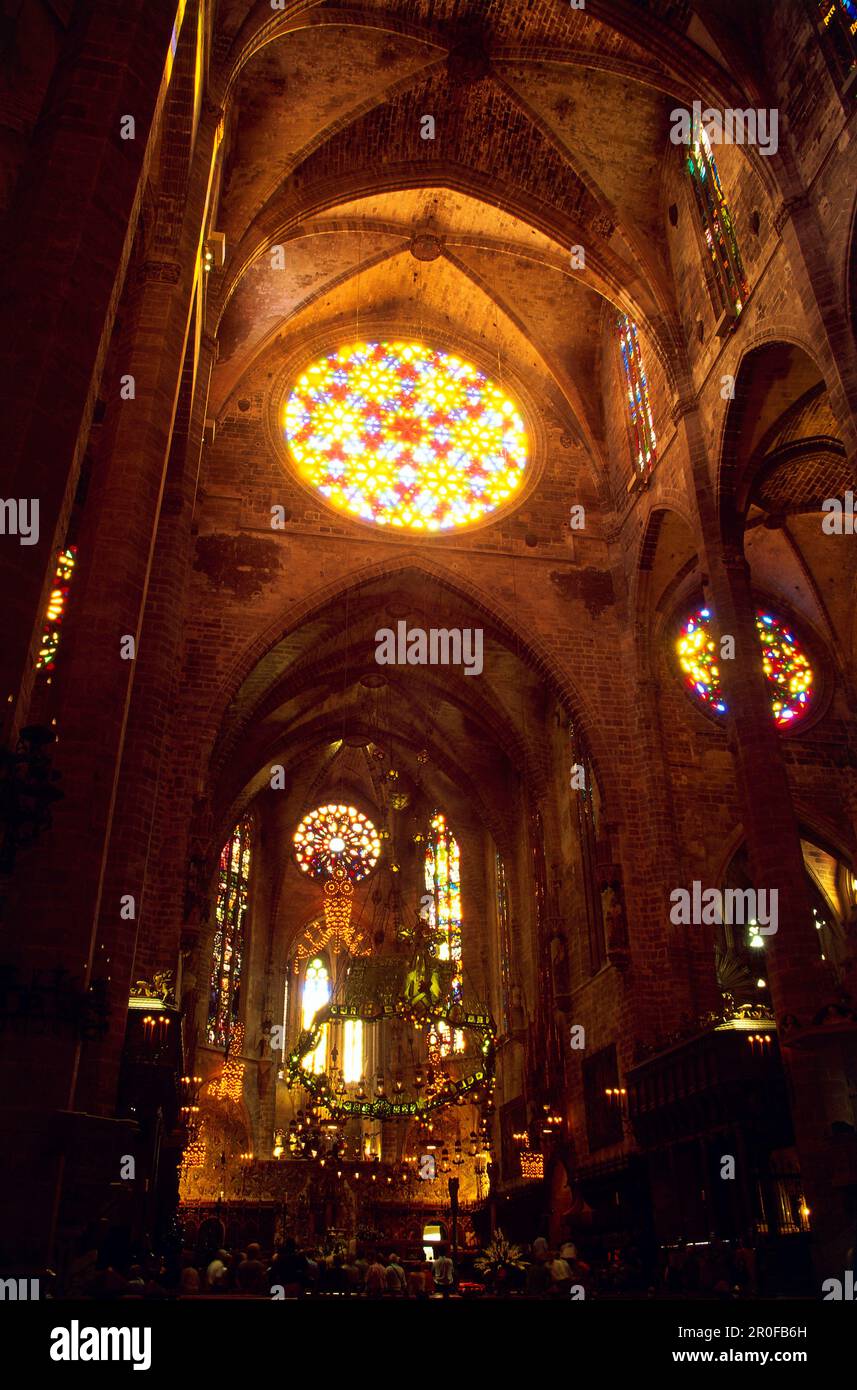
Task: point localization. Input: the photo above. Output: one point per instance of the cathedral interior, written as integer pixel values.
(429, 658)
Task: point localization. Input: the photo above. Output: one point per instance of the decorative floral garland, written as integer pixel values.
(382, 1108)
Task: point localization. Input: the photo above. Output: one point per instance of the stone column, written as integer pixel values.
(799, 984)
(147, 825)
(61, 896)
(797, 221)
(65, 244)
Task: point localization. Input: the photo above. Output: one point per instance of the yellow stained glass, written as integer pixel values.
(404, 435)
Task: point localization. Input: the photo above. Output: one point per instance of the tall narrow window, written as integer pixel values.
(717, 229)
(588, 809)
(837, 27)
(443, 880)
(540, 898)
(316, 993)
(504, 943)
(55, 611)
(352, 1050)
(644, 444)
(231, 912)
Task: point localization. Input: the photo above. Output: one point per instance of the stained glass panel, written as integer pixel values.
(230, 914)
(644, 444)
(336, 836)
(443, 880)
(504, 941)
(56, 609)
(716, 219)
(404, 435)
(316, 994)
(786, 665)
(352, 1050)
(837, 22)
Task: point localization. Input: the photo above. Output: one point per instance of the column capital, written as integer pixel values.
(685, 405)
(166, 272)
(788, 208)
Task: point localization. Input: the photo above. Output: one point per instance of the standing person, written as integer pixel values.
(560, 1273)
(396, 1282)
(444, 1273)
(250, 1275)
(376, 1278)
(289, 1269)
(538, 1279)
(215, 1274)
(313, 1268)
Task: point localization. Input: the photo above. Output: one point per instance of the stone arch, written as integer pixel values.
(644, 599)
(850, 273)
(766, 353)
(506, 626)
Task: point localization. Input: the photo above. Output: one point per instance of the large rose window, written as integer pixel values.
(403, 435)
(337, 840)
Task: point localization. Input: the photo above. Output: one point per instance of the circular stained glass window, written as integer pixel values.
(786, 665)
(337, 837)
(404, 435)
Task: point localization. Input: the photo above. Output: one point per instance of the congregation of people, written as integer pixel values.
(716, 1269)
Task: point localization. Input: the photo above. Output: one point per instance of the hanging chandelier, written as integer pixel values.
(415, 991)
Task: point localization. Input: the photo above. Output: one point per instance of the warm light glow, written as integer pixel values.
(316, 994)
(786, 665)
(717, 226)
(443, 880)
(403, 435)
(230, 913)
(644, 440)
(55, 610)
(352, 1048)
(230, 1084)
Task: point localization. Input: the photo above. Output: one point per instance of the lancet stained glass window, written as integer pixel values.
(837, 23)
(56, 609)
(230, 915)
(336, 836)
(587, 799)
(316, 993)
(644, 444)
(404, 435)
(352, 1050)
(504, 942)
(716, 219)
(786, 665)
(443, 880)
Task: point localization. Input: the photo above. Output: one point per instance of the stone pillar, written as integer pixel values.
(65, 248)
(145, 826)
(821, 297)
(692, 953)
(61, 896)
(798, 980)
